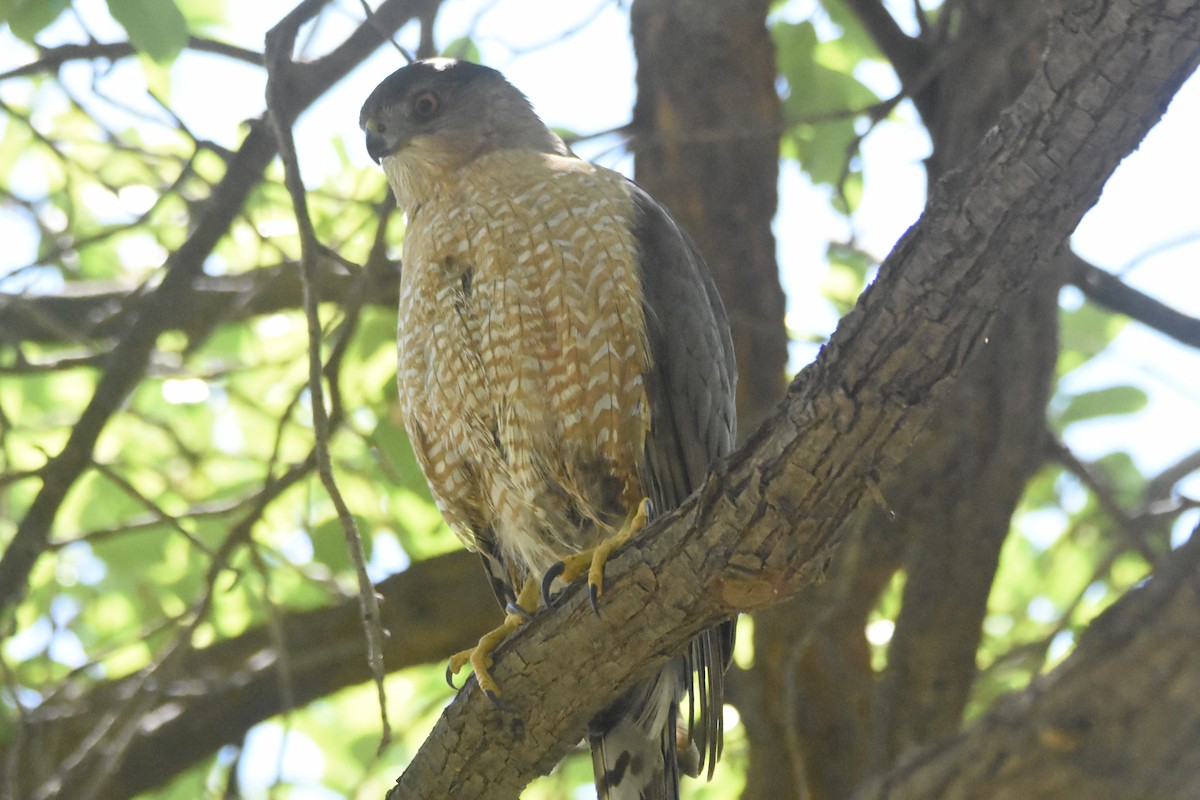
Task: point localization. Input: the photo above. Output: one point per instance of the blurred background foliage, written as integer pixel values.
(202, 517)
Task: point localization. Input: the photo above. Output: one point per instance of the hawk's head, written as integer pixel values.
(451, 112)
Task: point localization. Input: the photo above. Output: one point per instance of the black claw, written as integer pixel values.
(519, 610)
(555, 570)
(450, 678)
(495, 698)
(594, 598)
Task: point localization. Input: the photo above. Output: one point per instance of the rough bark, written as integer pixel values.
(766, 528)
(964, 478)
(947, 507)
(1118, 719)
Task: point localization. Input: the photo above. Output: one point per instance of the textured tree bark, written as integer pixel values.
(766, 529)
(966, 474)
(948, 506)
(706, 145)
(1118, 719)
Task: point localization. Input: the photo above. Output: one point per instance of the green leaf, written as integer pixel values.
(822, 90)
(27, 18)
(203, 14)
(1085, 332)
(329, 543)
(855, 42)
(155, 27)
(1123, 476)
(1101, 403)
(463, 48)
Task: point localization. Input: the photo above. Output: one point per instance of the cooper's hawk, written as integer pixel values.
(563, 356)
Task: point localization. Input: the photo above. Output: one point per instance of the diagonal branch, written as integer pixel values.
(1106, 724)
(766, 529)
(1114, 294)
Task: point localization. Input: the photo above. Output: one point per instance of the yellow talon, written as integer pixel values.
(592, 561)
(480, 656)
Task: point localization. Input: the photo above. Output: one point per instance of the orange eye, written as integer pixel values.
(426, 104)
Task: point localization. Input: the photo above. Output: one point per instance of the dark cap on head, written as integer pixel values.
(467, 104)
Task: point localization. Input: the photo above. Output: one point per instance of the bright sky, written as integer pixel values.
(1146, 226)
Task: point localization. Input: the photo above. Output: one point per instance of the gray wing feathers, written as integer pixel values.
(691, 388)
(691, 383)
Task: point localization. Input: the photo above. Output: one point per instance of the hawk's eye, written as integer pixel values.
(426, 104)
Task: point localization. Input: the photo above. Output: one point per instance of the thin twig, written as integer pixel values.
(1114, 294)
(366, 7)
(54, 57)
(154, 508)
(280, 42)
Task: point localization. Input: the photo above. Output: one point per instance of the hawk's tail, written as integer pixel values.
(635, 743)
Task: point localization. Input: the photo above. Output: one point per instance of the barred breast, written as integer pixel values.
(523, 350)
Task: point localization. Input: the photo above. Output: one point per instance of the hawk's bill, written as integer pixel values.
(564, 356)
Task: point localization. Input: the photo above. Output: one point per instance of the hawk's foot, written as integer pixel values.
(591, 562)
(480, 656)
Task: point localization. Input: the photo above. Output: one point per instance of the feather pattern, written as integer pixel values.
(563, 354)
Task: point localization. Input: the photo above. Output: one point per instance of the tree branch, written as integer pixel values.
(90, 311)
(954, 496)
(281, 41)
(909, 56)
(52, 58)
(1114, 294)
(766, 529)
(220, 692)
(1108, 723)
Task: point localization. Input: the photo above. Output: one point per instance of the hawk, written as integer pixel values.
(565, 369)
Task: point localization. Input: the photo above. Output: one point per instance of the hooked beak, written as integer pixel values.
(377, 146)
(379, 143)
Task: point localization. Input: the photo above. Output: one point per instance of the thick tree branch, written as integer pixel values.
(766, 529)
(1116, 720)
(434, 608)
(1114, 294)
(87, 312)
(956, 492)
(128, 360)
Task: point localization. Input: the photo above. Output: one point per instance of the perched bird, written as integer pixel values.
(565, 368)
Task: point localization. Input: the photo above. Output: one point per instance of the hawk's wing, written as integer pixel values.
(690, 387)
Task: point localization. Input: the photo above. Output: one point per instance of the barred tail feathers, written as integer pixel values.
(634, 743)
